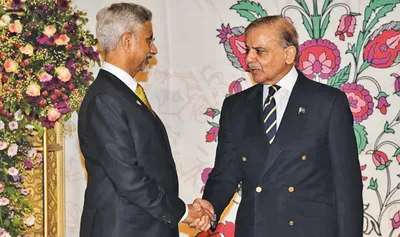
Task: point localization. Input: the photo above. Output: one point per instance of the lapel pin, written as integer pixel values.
(301, 110)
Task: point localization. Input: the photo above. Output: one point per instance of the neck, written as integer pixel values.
(115, 59)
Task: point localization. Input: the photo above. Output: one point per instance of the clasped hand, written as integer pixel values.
(200, 214)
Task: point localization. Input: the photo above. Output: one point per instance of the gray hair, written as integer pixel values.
(288, 35)
(113, 21)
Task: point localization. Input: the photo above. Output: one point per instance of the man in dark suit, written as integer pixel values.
(132, 185)
(290, 142)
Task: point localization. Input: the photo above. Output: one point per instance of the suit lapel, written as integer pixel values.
(293, 121)
(254, 133)
(131, 96)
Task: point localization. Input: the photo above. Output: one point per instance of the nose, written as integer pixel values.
(250, 57)
(153, 49)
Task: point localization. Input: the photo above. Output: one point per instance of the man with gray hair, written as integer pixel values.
(290, 142)
(132, 185)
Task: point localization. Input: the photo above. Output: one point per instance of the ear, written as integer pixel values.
(290, 54)
(127, 41)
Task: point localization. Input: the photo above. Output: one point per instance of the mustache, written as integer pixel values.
(254, 66)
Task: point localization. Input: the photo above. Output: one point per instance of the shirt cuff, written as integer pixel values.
(185, 215)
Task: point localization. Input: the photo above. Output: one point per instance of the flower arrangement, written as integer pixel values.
(45, 58)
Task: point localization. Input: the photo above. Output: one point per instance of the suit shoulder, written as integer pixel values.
(243, 94)
(324, 90)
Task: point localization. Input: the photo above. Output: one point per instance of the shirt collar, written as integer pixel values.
(120, 74)
(288, 81)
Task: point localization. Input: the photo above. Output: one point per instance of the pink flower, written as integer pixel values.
(27, 49)
(380, 160)
(360, 100)
(15, 27)
(212, 112)
(4, 201)
(382, 102)
(30, 221)
(12, 150)
(362, 168)
(396, 83)
(53, 114)
(1, 125)
(13, 125)
(1, 187)
(33, 90)
(25, 192)
(212, 134)
(3, 145)
(396, 220)
(63, 74)
(224, 33)
(383, 47)
(10, 65)
(318, 57)
(204, 176)
(13, 171)
(49, 30)
(235, 86)
(61, 40)
(346, 26)
(397, 154)
(45, 77)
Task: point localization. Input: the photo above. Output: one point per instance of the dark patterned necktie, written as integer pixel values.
(269, 113)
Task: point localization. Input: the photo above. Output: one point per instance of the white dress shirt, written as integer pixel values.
(132, 84)
(283, 94)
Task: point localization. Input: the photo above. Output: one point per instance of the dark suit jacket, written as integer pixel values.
(132, 185)
(307, 183)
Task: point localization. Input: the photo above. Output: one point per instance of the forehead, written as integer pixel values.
(147, 29)
(262, 36)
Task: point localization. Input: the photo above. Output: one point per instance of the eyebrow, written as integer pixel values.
(256, 48)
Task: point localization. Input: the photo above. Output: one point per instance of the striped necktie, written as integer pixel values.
(142, 96)
(269, 114)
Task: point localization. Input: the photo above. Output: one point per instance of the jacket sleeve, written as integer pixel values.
(226, 174)
(115, 151)
(346, 169)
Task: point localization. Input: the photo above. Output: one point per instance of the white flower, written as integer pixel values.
(6, 18)
(29, 126)
(12, 150)
(4, 233)
(13, 171)
(1, 125)
(13, 125)
(18, 115)
(3, 145)
(4, 201)
(32, 153)
(30, 221)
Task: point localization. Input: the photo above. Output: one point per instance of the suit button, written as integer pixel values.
(258, 189)
(304, 157)
(291, 189)
(244, 159)
(291, 222)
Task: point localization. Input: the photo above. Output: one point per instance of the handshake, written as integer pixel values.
(200, 214)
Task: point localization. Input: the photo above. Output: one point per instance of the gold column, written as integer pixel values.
(47, 186)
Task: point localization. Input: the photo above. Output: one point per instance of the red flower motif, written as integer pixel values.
(234, 45)
(318, 57)
(360, 100)
(396, 220)
(235, 86)
(362, 168)
(382, 102)
(212, 112)
(212, 134)
(380, 160)
(346, 26)
(204, 176)
(396, 83)
(222, 230)
(383, 46)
